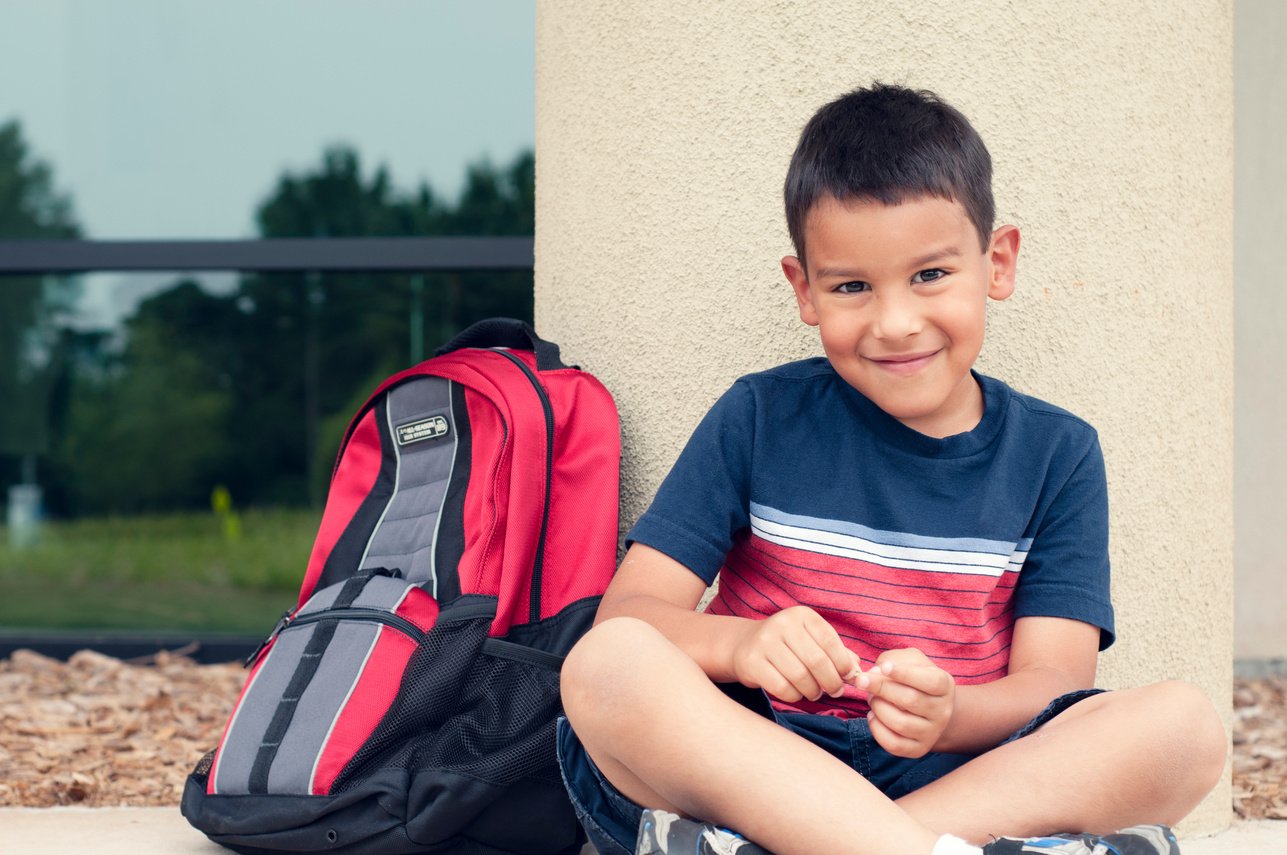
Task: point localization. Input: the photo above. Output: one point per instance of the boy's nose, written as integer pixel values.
(896, 317)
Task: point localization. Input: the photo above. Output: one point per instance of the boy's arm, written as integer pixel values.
(793, 654)
(1049, 656)
(657, 589)
(917, 708)
(1066, 572)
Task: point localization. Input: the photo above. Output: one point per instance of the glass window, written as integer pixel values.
(168, 438)
(176, 120)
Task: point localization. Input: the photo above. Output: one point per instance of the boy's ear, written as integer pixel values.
(799, 280)
(1003, 256)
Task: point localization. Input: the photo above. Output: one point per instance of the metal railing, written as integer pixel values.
(28, 257)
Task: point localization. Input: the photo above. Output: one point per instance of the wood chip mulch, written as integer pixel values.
(96, 731)
(1260, 747)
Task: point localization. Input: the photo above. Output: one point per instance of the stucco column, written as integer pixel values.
(1260, 474)
(663, 135)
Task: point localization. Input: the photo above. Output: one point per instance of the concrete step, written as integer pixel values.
(162, 831)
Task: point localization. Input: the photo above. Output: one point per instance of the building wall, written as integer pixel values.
(1260, 318)
(663, 133)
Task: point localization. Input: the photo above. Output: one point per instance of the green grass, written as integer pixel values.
(158, 572)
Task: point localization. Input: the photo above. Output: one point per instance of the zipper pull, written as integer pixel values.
(282, 623)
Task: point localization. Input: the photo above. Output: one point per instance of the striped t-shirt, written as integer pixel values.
(796, 489)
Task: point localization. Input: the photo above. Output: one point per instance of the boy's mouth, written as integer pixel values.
(904, 363)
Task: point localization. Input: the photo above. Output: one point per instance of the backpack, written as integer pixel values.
(408, 702)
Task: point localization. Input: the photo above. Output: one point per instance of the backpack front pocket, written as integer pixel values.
(328, 675)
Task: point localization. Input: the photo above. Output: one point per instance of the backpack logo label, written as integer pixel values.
(433, 427)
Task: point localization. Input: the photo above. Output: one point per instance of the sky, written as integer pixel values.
(171, 119)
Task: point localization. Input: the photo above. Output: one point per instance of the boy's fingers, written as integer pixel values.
(887, 688)
(844, 659)
(821, 669)
(899, 720)
(902, 656)
(894, 743)
(777, 685)
(795, 672)
(832, 663)
(923, 677)
(927, 679)
(872, 681)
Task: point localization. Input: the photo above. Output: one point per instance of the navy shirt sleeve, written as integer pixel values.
(1066, 573)
(705, 499)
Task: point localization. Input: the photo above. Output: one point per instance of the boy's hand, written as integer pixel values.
(794, 654)
(911, 701)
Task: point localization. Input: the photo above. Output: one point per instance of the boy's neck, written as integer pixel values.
(963, 416)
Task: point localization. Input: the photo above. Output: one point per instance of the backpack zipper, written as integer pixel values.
(398, 622)
(538, 564)
(286, 622)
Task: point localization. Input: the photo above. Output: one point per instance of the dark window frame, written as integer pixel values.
(374, 255)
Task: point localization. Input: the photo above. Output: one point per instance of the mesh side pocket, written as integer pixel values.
(474, 735)
(461, 710)
(503, 730)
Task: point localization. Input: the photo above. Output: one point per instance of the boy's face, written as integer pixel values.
(898, 294)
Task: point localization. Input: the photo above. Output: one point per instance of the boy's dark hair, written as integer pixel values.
(889, 144)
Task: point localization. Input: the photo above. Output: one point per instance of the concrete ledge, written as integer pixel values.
(102, 831)
(162, 831)
(1263, 837)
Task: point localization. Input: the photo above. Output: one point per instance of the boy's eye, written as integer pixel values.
(852, 287)
(929, 275)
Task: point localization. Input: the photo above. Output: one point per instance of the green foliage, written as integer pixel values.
(253, 388)
(169, 571)
(497, 202)
(30, 208)
(335, 201)
(314, 346)
(250, 389)
(154, 436)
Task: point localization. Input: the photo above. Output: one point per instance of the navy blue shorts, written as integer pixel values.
(611, 820)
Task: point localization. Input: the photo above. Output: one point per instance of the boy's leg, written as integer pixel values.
(1111, 761)
(666, 737)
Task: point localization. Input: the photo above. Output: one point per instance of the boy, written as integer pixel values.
(913, 566)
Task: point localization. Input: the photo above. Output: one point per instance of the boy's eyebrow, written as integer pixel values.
(940, 254)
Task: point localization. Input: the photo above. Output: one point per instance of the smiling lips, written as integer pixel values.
(904, 363)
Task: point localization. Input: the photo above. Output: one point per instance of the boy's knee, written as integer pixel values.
(1199, 739)
(596, 674)
(1210, 741)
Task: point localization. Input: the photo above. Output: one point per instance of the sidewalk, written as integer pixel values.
(162, 831)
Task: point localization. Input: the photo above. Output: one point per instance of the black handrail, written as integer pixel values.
(28, 257)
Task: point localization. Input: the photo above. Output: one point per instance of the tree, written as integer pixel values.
(253, 389)
(147, 426)
(30, 207)
(321, 341)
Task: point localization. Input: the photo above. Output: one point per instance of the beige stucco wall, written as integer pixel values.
(663, 134)
(1260, 395)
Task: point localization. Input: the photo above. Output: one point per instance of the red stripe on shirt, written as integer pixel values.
(963, 622)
